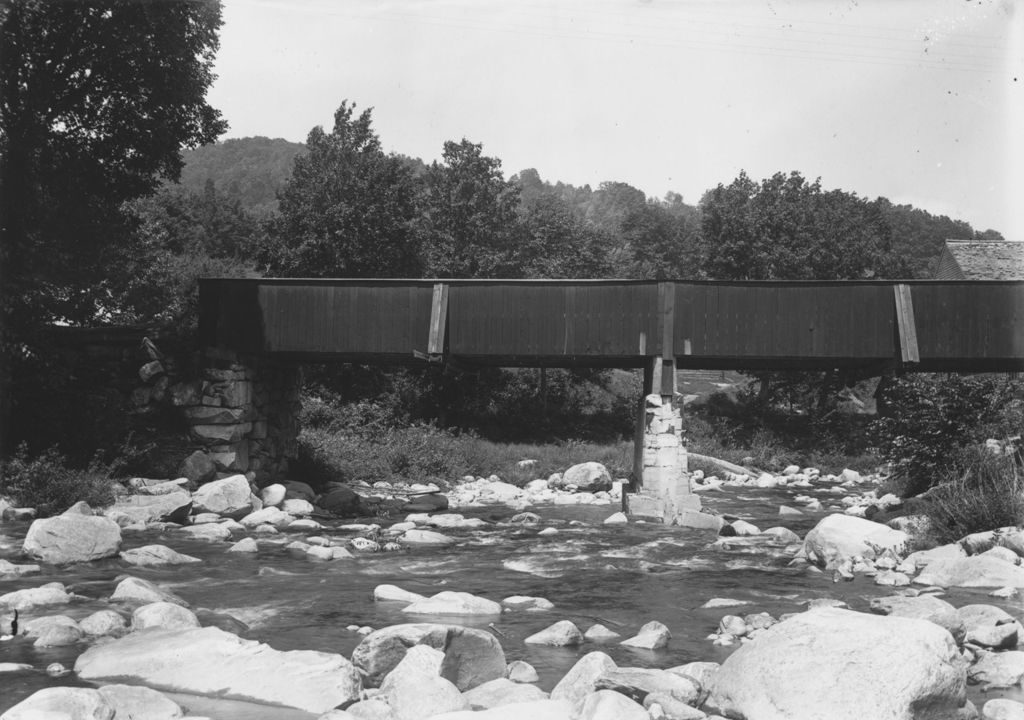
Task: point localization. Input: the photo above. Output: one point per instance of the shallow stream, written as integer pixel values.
(619, 575)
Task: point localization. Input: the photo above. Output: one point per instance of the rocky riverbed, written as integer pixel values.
(492, 602)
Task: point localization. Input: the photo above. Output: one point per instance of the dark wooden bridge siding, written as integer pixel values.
(978, 320)
(314, 318)
(778, 321)
(960, 325)
(589, 320)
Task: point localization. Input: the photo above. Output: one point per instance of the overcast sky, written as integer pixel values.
(919, 101)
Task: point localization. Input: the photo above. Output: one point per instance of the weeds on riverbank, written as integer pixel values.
(982, 491)
(46, 482)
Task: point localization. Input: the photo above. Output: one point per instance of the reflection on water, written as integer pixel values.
(618, 575)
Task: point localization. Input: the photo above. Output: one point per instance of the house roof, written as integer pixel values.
(988, 259)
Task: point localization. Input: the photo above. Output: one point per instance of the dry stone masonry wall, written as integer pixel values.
(242, 415)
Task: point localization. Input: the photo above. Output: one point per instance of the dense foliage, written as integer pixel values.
(46, 482)
(927, 421)
(250, 170)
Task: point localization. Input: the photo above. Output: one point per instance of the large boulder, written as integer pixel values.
(72, 538)
(230, 497)
(131, 702)
(837, 537)
(170, 507)
(502, 692)
(581, 680)
(922, 607)
(586, 477)
(471, 656)
(843, 665)
(208, 661)
(973, 571)
(611, 705)
(65, 703)
(999, 669)
(415, 689)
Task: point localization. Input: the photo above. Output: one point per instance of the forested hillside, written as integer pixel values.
(250, 170)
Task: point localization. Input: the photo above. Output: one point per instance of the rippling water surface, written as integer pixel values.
(619, 575)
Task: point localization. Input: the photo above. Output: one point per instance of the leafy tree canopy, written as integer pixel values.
(785, 228)
(348, 209)
(96, 100)
(468, 220)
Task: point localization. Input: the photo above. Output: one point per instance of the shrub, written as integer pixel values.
(930, 419)
(46, 483)
(983, 491)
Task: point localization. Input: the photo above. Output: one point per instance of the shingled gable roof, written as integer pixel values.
(983, 260)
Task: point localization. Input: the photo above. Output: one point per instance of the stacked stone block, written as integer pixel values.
(665, 482)
(242, 413)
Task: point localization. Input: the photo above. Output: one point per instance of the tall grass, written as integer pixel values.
(983, 491)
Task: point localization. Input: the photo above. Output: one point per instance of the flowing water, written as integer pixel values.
(618, 575)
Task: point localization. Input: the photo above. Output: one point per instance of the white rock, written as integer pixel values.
(561, 634)
(837, 537)
(580, 681)
(209, 532)
(453, 603)
(62, 703)
(618, 518)
(548, 531)
(426, 538)
(72, 538)
(416, 691)
(133, 589)
(890, 667)
(103, 622)
(209, 661)
(472, 656)
(12, 570)
(527, 602)
(298, 507)
(273, 495)
(1002, 709)
(155, 555)
(652, 636)
(610, 705)
(393, 592)
(245, 545)
(922, 607)
(521, 671)
(502, 691)
(599, 633)
(131, 702)
(973, 571)
(270, 516)
(586, 477)
(48, 594)
(998, 670)
(229, 497)
(163, 615)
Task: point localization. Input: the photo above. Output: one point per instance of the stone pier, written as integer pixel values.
(663, 492)
(242, 415)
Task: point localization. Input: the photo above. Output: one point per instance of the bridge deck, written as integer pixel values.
(918, 325)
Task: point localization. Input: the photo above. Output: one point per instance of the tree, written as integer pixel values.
(788, 229)
(97, 99)
(348, 209)
(469, 218)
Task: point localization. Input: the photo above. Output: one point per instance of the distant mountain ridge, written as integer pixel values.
(250, 170)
